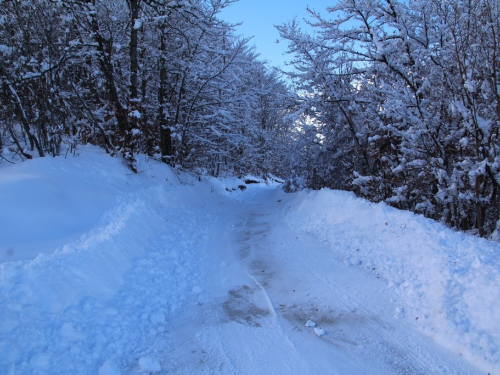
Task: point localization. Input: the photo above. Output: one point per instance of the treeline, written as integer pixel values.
(163, 77)
(401, 103)
(398, 101)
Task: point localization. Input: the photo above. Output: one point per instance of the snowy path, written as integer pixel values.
(202, 278)
(265, 282)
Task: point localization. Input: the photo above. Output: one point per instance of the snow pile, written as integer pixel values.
(102, 296)
(45, 203)
(92, 266)
(449, 282)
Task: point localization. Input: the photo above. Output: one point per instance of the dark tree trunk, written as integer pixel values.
(105, 49)
(134, 65)
(165, 131)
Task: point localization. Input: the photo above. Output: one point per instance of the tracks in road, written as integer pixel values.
(265, 282)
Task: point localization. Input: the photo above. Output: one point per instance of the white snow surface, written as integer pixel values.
(448, 283)
(107, 272)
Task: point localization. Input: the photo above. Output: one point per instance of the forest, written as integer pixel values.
(398, 101)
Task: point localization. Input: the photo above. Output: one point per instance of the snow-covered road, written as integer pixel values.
(278, 302)
(203, 278)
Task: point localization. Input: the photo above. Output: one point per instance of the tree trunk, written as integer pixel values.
(165, 131)
(105, 49)
(24, 121)
(134, 65)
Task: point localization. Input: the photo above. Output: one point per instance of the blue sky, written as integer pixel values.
(260, 16)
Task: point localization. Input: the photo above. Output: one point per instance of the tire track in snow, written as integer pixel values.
(414, 364)
(241, 332)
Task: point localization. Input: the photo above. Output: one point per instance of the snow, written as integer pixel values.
(49, 202)
(197, 290)
(109, 368)
(319, 331)
(103, 271)
(149, 365)
(135, 113)
(137, 24)
(449, 282)
(157, 317)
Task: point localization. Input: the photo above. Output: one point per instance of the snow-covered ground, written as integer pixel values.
(106, 272)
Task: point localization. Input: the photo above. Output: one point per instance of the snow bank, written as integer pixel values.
(49, 202)
(449, 282)
(92, 266)
(121, 256)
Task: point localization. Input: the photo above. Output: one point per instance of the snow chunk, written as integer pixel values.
(135, 114)
(470, 86)
(109, 368)
(6, 50)
(310, 323)
(69, 332)
(137, 24)
(40, 361)
(319, 331)
(196, 290)
(157, 317)
(149, 364)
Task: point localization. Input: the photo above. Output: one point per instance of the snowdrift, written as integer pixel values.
(78, 300)
(449, 281)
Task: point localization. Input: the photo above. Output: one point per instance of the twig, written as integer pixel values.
(8, 161)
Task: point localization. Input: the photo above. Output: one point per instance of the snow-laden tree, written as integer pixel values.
(167, 78)
(404, 98)
(34, 49)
